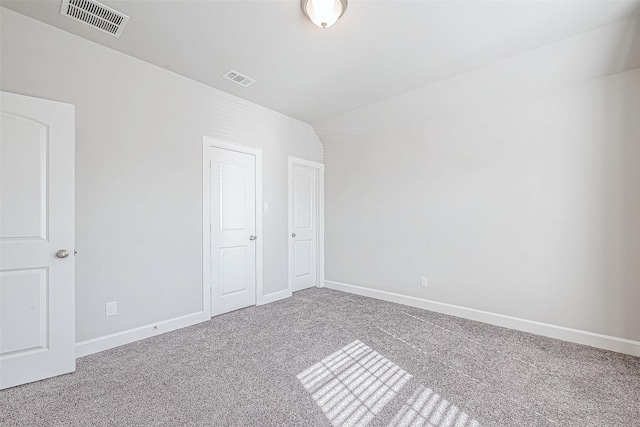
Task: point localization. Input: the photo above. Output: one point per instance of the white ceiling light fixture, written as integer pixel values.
(323, 13)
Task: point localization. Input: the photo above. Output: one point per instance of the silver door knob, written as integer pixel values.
(293, 234)
(62, 253)
(252, 237)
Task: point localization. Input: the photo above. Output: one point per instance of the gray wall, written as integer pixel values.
(139, 135)
(515, 188)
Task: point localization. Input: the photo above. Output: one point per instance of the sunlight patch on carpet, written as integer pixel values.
(352, 385)
(427, 408)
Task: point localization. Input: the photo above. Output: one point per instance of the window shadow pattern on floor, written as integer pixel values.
(355, 383)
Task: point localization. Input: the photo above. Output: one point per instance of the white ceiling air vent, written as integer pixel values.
(95, 15)
(238, 78)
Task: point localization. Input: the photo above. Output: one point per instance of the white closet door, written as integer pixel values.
(233, 230)
(303, 217)
(37, 312)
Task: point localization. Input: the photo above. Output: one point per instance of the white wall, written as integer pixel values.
(139, 135)
(515, 188)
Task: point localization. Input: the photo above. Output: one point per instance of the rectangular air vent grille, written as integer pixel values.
(238, 78)
(95, 15)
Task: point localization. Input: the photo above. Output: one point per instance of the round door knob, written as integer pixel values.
(293, 234)
(62, 253)
(252, 237)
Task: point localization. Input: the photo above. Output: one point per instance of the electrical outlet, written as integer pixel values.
(111, 309)
(424, 282)
(266, 207)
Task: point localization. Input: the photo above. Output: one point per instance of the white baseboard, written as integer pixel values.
(95, 345)
(274, 296)
(606, 342)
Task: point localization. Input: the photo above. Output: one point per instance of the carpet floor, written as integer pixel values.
(326, 358)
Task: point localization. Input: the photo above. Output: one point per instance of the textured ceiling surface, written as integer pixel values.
(377, 50)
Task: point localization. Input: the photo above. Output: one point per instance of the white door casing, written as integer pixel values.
(37, 311)
(232, 267)
(306, 251)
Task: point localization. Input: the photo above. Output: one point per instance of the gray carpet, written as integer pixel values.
(327, 358)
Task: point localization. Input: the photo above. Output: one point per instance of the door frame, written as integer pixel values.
(208, 143)
(319, 167)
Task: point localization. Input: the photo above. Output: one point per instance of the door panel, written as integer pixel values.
(23, 185)
(233, 195)
(23, 301)
(233, 222)
(304, 228)
(303, 193)
(233, 268)
(304, 258)
(37, 312)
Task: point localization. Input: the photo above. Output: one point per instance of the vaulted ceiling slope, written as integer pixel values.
(377, 50)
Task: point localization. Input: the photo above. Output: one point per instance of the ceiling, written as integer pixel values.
(378, 49)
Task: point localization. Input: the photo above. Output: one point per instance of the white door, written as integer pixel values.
(303, 226)
(233, 230)
(37, 312)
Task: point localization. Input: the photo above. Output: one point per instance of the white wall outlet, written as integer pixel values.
(266, 207)
(424, 282)
(111, 309)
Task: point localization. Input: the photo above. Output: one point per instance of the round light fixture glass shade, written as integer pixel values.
(323, 13)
